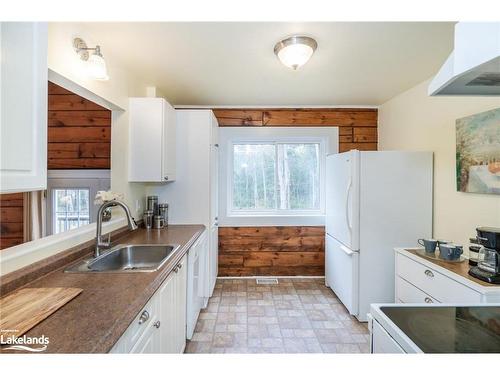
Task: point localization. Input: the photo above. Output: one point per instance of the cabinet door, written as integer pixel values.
(23, 106)
(145, 139)
(169, 143)
(149, 342)
(167, 315)
(180, 306)
(214, 171)
(213, 258)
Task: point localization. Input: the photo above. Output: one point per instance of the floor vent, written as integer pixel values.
(267, 281)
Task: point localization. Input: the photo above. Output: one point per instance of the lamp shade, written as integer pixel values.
(97, 67)
(295, 51)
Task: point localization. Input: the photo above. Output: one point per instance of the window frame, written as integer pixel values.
(93, 179)
(274, 140)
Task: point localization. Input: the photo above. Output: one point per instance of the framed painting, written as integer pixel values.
(478, 153)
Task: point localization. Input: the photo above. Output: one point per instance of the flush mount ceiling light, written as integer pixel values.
(95, 62)
(295, 51)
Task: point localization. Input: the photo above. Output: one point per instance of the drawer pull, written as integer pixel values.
(157, 324)
(179, 265)
(176, 268)
(144, 317)
(428, 300)
(429, 273)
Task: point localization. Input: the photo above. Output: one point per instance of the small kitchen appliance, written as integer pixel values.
(488, 266)
(474, 248)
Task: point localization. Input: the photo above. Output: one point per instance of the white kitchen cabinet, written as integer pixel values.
(160, 327)
(23, 106)
(172, 317)
(419, 280)
(197, 260)
(193, 196)
(152, 128)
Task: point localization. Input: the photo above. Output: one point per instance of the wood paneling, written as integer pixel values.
(289, 251)
(79, 134)
(11, 220)
(357, 126)
(271, 251)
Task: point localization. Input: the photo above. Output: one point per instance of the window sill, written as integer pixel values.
(262, 214)
(235, 220)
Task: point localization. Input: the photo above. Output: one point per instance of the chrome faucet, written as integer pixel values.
(105, 244)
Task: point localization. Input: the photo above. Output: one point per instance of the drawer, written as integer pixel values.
(408, 293)
(137, 327)
(433, 283)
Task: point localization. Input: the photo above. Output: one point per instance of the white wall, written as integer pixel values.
(64, 61)
(414, 121)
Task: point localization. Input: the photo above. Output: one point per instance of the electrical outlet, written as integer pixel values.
(137, 205)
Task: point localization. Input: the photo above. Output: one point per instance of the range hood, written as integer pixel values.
(473, 68)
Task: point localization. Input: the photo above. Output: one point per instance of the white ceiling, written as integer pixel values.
(234, 64)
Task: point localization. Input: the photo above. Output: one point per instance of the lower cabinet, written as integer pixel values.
(161, 326)
(420, 281)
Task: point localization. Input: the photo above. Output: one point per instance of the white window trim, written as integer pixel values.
(326, 136)
(231, 212)
(92, 179)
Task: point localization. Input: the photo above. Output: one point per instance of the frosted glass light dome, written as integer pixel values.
(97, 66)
(295, 51)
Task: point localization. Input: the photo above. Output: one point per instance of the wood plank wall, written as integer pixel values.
(11, 220)
(79, 134)
(275, 251)
(292, 250)
(357, 127)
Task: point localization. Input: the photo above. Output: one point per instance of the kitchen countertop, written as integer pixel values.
(94, 321)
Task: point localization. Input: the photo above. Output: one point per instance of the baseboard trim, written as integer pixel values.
(271, 277)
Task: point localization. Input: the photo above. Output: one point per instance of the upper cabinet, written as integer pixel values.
(152, 140)
(23, 106)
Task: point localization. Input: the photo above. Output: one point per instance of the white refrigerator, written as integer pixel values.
(375, 201)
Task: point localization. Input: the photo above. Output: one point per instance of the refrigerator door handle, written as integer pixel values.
(346, 250)
(347, 216)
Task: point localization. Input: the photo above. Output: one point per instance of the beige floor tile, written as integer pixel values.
(224, 340)
(202, 337)
(295, 316)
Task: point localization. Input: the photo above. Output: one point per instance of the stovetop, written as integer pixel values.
(445, 329)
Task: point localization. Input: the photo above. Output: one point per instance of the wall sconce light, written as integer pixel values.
(95, 62)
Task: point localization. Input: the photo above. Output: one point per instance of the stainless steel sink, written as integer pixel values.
(127, 258)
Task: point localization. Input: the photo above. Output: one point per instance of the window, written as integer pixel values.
(70, 197)
(275, 177)
(71, 209)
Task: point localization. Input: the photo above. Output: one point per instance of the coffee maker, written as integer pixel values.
(488, 265)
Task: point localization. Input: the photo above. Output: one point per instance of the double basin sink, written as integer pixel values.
(127, 258)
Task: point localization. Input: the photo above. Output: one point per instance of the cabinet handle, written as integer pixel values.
(144, 317)
(176, 268)
(427, 300)
(429, 273)
(165, 178)
(157, 324)
(179, 265)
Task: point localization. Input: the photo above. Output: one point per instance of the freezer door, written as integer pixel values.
(341, 273)
(342, 198)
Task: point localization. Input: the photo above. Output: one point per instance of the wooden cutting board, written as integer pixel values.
(24, 309)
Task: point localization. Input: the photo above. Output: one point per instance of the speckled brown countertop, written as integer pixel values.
(95, 320)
